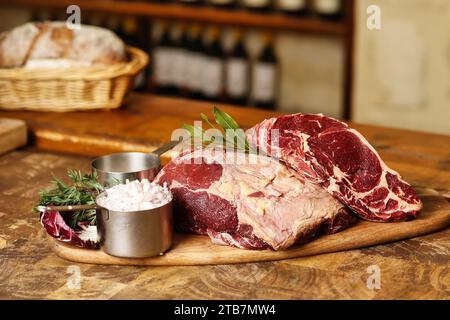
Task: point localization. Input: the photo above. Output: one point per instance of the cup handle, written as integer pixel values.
(166, 147)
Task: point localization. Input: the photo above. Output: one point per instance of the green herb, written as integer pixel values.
(235, 137)
(195, 132)
(224, 120)
(206, 119)
(82, 190)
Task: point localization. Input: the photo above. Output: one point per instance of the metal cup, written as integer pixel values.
(135, 234)
(118, 167)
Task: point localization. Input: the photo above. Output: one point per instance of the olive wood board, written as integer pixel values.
(191, 249)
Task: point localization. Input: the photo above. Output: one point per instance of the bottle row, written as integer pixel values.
(191, 62)
(327, 9)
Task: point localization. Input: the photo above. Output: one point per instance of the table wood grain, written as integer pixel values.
(417, 268)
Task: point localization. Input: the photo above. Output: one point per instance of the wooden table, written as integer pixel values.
(411, 269)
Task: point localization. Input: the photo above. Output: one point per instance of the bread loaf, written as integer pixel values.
(53, 45)
(16, 44)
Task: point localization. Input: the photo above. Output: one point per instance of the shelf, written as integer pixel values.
(230, 17)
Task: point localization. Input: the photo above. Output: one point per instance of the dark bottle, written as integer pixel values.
(257, 5)
(293, 7)
(196, 57)
(173, 54)
(129, 33)
(213, 68)
(162, 62)
(41, 15)
(180, 60)
(113, 23)
(54, 15)
(95, 20)
(223, 3)
(237, 73)
(264, 77)
(329, 9)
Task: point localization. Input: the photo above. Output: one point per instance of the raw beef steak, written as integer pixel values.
(327, 152)
(253, 203)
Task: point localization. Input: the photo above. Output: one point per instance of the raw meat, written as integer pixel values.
(253, 202)
(327, 152)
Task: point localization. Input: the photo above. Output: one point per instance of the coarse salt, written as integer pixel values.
(135, 196)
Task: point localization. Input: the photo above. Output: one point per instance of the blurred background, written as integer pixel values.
(317, 56)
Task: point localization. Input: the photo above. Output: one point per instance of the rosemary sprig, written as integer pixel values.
(81, 191)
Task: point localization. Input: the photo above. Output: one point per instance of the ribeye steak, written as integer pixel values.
(254, 202)
(327, 152)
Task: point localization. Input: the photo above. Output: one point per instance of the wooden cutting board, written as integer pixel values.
(198, 250)
(13, 134)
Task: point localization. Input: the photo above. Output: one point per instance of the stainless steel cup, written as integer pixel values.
(135, 234)
(118, 167)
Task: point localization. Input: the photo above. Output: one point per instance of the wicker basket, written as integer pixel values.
(61, 90)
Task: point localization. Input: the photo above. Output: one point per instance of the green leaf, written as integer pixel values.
(228, 123)
(206, 119)
(194, 131)
(224, 120)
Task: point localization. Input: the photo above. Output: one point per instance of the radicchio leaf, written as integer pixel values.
(54, 224)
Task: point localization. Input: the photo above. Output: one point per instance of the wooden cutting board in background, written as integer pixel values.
(198, 250)
(13, 134)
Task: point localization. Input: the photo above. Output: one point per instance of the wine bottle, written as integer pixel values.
(95, 20)
(258, 5)
(129, 33)
(213, 68)
(112, 23)
(237, 73)
(195, 62)
(264, 77)
(54, 14)
(42, 15)
(293, 7)
(180, 59)
(174, 54)
(162, 62)
(61, 15)
(329, 9)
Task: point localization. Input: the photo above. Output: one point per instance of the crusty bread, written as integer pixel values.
(33, 43)
(97, 45)
(54, 41)
(15, 45)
